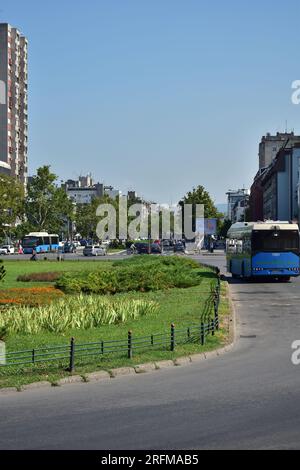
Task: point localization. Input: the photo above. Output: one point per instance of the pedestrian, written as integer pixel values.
(34, 255)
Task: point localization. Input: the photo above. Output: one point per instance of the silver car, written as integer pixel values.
(94, 250)
(7, 250)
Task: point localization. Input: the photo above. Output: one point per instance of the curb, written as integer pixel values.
(103, 375)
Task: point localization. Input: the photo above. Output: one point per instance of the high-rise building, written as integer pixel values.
(271, 144)
(13, 103)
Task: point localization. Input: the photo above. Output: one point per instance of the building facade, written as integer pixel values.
(275, 193)
(83, 190)
(270, 145)
(13, 108)
(236, 203)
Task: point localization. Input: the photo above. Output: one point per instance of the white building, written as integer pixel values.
(13, 108)
(236, 203)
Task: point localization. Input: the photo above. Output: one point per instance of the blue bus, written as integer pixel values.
(41, 242)
(263, 249)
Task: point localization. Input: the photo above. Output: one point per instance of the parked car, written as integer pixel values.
(155, 248)
(179, 247)
(142, 248)
(167, 245)
(7, 250)
(69, 248)
(94, 250)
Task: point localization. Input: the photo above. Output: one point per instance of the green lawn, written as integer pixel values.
(180, 306)
(16, 268)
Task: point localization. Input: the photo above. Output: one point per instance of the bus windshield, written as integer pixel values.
(275, 240)
(30, 242)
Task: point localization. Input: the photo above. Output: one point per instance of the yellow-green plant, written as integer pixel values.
(80, 312)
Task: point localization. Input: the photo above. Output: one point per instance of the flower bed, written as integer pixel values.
(32, 297)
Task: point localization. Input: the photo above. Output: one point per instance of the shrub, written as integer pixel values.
(152, 275)
(39, 277)
(80, 312)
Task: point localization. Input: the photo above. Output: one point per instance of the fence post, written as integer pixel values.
(216, 309)
(72, 355)
(33, 356)
(212, 327)
(202, 334)
(172, 337)
(129, 344)
(188, 333)
(102, 347)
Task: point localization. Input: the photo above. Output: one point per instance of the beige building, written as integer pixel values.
(271, 144)
(13, 103)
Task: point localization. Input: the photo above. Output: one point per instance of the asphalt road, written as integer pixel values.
(245, 399)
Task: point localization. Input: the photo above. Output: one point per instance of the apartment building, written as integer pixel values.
(270, 145)
(13, 103)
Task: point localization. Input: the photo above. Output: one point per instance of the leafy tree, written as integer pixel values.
(199, 195)
(225, 226)
(86, 219)
(47, 207)
(11, 203)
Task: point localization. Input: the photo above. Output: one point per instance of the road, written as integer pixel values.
(245, 399)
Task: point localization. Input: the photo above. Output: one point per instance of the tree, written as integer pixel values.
(86, 219)
(199, 195)
(225, 226)
(47, 207)
(11, 203)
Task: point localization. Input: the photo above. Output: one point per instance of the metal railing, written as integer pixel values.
(168, 340)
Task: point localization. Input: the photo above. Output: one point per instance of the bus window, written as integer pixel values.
(40, 241)
(46, 241)
(29, 242)
(54, 240)
(272, 240)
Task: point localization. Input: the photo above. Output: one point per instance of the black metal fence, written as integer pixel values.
(168, 340)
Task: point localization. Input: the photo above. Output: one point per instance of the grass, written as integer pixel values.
(15, 268)
(136, 274)
(181, 306)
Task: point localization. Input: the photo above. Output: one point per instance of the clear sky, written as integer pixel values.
(158, 95)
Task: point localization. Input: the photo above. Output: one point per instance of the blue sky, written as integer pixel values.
(158, 95)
